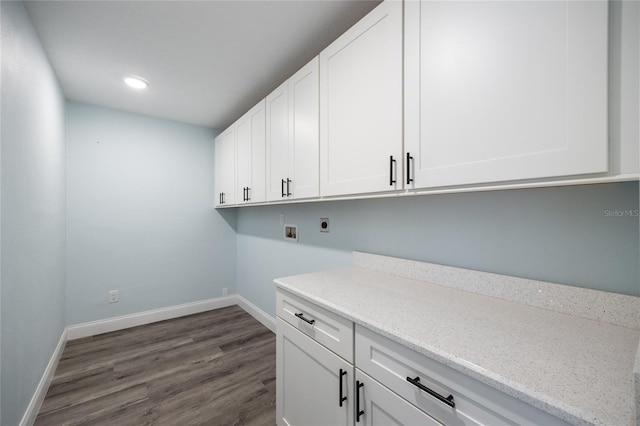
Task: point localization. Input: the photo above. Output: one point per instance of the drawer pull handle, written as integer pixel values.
(301, 316)
(409, 158)
(416, 382)
(342, 398)
(359, 412)
(391, 174)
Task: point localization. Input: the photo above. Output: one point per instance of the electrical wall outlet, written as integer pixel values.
(281, 218)
(225, 291)
(324, 224)
(113, 296)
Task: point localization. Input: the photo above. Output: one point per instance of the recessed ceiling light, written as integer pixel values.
(136, 82)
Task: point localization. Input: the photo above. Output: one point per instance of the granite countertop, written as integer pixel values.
(578, 369)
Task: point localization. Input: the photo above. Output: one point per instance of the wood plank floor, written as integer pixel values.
(213, 368)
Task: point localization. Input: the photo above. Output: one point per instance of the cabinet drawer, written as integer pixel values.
(379, 406)
(475, 403)
(327, 328)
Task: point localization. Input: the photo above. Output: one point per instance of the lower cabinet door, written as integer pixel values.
(377, 405)
(314, 385)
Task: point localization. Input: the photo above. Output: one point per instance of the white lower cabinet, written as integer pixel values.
(377, 405)
(314, 385)
(320, 381)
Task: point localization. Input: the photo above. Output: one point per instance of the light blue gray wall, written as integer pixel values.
(562, 235)
(141, 218)
(32, 214)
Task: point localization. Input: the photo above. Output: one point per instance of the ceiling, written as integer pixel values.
(207, 62)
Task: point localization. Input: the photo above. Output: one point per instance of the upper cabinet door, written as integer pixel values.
(277, 152)
(225, 167)
(250, 154)
(304, 132)
(292, 136)
(361, 106)
(500, 91)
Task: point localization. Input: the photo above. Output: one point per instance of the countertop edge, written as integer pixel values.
(636, 375)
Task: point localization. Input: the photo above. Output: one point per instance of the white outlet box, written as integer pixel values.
(225, 291)
(113, 296)
(291, 232)
(281, 218)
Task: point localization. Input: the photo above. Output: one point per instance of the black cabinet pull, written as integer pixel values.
(222, 198)
(248, 198)
(301, 316)
(391, 174)
(416, 382)
(409, 159)
(282, 187)
(342, 398)
(288, 192)
(359, 412)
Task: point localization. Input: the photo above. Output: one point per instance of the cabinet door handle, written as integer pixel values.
(391, 174)
(301, 316)
(342, 398)
(222, 198)
(409, 159)
(288, 192)
(248, 198)
(359, 412)
(282, 187)
(416, 382)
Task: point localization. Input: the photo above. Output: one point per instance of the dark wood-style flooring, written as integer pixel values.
(213, 368)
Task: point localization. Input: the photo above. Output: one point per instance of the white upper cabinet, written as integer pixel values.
(361, 106)
(304, 131)
(250, 156)
(505, 90)
(225, 167)
(293, 137)
(277, 152)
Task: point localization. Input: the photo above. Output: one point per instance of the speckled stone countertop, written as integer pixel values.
(578, 369)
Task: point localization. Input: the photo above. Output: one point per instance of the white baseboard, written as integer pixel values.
(141, 318)
(266, 319)
(41, 390)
